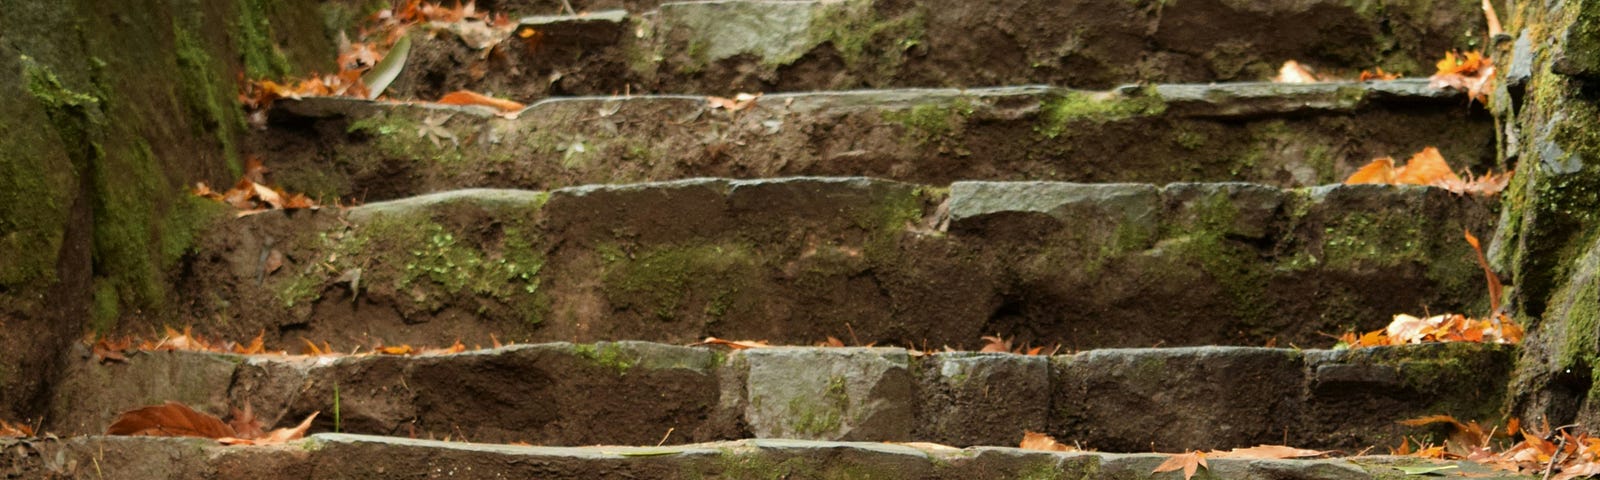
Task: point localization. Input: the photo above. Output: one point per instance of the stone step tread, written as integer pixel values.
(627, 392)
(1278, 134)
(795, 260)
(729, 46)
(338, 456)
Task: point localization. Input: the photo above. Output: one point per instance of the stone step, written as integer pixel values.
(721, 47)
(1276, 134)
(342, 456)
(795, 260)
(634, 393)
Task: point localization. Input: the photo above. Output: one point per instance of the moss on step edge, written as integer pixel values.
(932, 122)
(664, 280)
(1058, 112)
(428, 265)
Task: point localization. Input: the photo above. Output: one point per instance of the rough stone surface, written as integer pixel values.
(91, 394)
(1232, 263)
(633, 392)
(830, 394)
(1194, 397)
(1263, 133)
(338, 456)
(981, 398)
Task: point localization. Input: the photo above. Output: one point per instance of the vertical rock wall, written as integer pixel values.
(1548, 104)
(109, 109)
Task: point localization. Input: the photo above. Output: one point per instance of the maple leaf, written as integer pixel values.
(1380, 171)
(1471, 72)
(734, 344)
(465, 97)
(1188, 462)
(1426, 168)
(171, 419)
(1038, 441)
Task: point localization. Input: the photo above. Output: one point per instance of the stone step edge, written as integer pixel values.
(1229, 99)
(346, 455)
(870, 393)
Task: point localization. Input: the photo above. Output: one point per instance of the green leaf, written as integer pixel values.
(388, 69)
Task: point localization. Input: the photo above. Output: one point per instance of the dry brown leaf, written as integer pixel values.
(111, 351)
(8, 429)
(1188, 462)
(1472, 72)
(256, 346)
(1426, 168)
(1038, 441)
(734, 344)
(1268, 452)
(1380, 171)
(171, 419)
(737, 103)
(831, 342)
(274, 261)
(465, 97)
(1377, 74)
(244, 422)
(1495, 287)
(396, 350)
(995, 344)
(275, 437)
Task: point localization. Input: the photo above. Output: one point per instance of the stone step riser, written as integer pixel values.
(796, 260)
(334, 456)
(634, 393)
(1283, 135)
(720, 47)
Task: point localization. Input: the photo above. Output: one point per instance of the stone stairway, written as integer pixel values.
(908, 183)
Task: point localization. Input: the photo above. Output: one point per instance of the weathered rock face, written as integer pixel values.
(111, 109)
(1275, 134)
(1551, 219)
(719, 47)
(795, 260)
(633, 393)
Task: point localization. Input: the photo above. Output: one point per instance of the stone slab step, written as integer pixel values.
(721, 47)
(341, 456)
(1276, 134)
(1120, 400)
(795, 260)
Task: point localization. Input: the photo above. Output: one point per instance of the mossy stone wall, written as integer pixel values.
(111, 110)
(1551, 217)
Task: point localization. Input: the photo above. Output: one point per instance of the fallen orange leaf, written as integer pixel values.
(734, 344)
(8, 429)
(1268, 452)
(1038, 441)
(1188, 462)
(465, 97)
(171, 419)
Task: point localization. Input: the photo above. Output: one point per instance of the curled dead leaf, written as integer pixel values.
(734, 344)
(171, 419)
(1038, 441)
